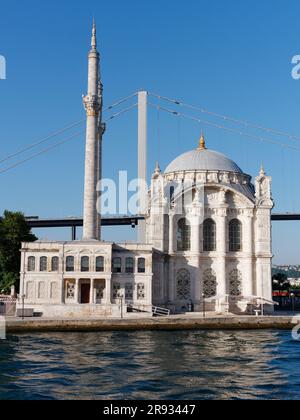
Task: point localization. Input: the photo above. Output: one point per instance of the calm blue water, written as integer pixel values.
(151, 365)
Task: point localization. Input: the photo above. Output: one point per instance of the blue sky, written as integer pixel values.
(230, 57)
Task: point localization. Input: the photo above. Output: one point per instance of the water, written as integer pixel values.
(151, 365)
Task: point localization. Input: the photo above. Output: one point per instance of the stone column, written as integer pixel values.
(171, 234)
(195, 235)
(108, 291)
(172, 281)
(247, 235)
(77, 291)
(92, 301)
(62, 290)
(221, 250)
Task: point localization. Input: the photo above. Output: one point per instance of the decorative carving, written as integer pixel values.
(141, 294)
(214, 197)
(100, 292)
(92, 105)
(235, 283)
(70, 291)
(209, 283)
(183, 285)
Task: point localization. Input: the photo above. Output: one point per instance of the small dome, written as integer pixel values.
(203, 159)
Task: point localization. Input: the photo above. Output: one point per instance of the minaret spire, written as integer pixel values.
(94, 36)
(93, 152)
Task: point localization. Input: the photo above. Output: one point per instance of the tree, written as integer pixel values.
(280, 282)
(13, 231)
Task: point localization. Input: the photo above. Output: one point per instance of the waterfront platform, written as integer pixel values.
(175, 322)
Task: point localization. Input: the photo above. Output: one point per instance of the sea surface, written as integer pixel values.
(151, 365)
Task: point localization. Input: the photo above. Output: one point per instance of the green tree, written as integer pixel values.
(280, 282)
(13, 231)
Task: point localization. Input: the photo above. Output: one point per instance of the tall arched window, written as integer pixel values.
(85, 264)
(117, 265)
(70, 264)
(235, 283)
(129, 265)
(31, 264)
(54, 263)
(141, 265)
(43, 264)
(100, 264)
(209, 283)
(235, 236)
(183, 291)
(183, 235)
(209, 236)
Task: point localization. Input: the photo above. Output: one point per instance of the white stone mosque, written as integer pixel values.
(212, 248)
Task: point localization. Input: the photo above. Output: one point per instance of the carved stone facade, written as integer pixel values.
(85, 288)
(228, 219)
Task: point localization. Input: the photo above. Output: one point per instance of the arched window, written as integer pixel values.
(235, 283)
(209, 236)
(172, 195)
(54, 263)
(85, 264)
(100, 264)
(43, 264)
(235, 236)
(141, 265)
(31, 264)
(117, 265)
(70, 264)
(129, 265)
(209, 283)
(183, 235)
(183, 285)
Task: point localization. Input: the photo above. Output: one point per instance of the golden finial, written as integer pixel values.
(202, 145)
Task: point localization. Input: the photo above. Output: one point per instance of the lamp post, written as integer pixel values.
(292, 295)
(204, 314)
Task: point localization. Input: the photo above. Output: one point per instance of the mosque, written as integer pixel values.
(207, 242)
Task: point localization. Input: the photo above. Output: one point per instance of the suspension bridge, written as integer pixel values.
(142, 101)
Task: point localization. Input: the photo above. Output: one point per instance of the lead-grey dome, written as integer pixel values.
(203, 160)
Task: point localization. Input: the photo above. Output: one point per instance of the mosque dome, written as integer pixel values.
(202, 159)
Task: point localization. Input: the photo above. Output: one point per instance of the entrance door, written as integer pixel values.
(85, 293)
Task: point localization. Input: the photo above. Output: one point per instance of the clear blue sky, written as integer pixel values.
(232, 57)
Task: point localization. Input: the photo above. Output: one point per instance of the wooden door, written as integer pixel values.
(85, 293)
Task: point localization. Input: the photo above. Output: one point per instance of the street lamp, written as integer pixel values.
(292, 295)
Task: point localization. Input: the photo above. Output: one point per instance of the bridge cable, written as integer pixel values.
(226, 118)
(60, 143)
(57, 133)
(222, 127)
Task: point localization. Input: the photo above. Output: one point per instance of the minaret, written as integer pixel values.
(94, 132)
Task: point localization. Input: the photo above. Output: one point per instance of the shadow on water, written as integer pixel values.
(151, 365)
